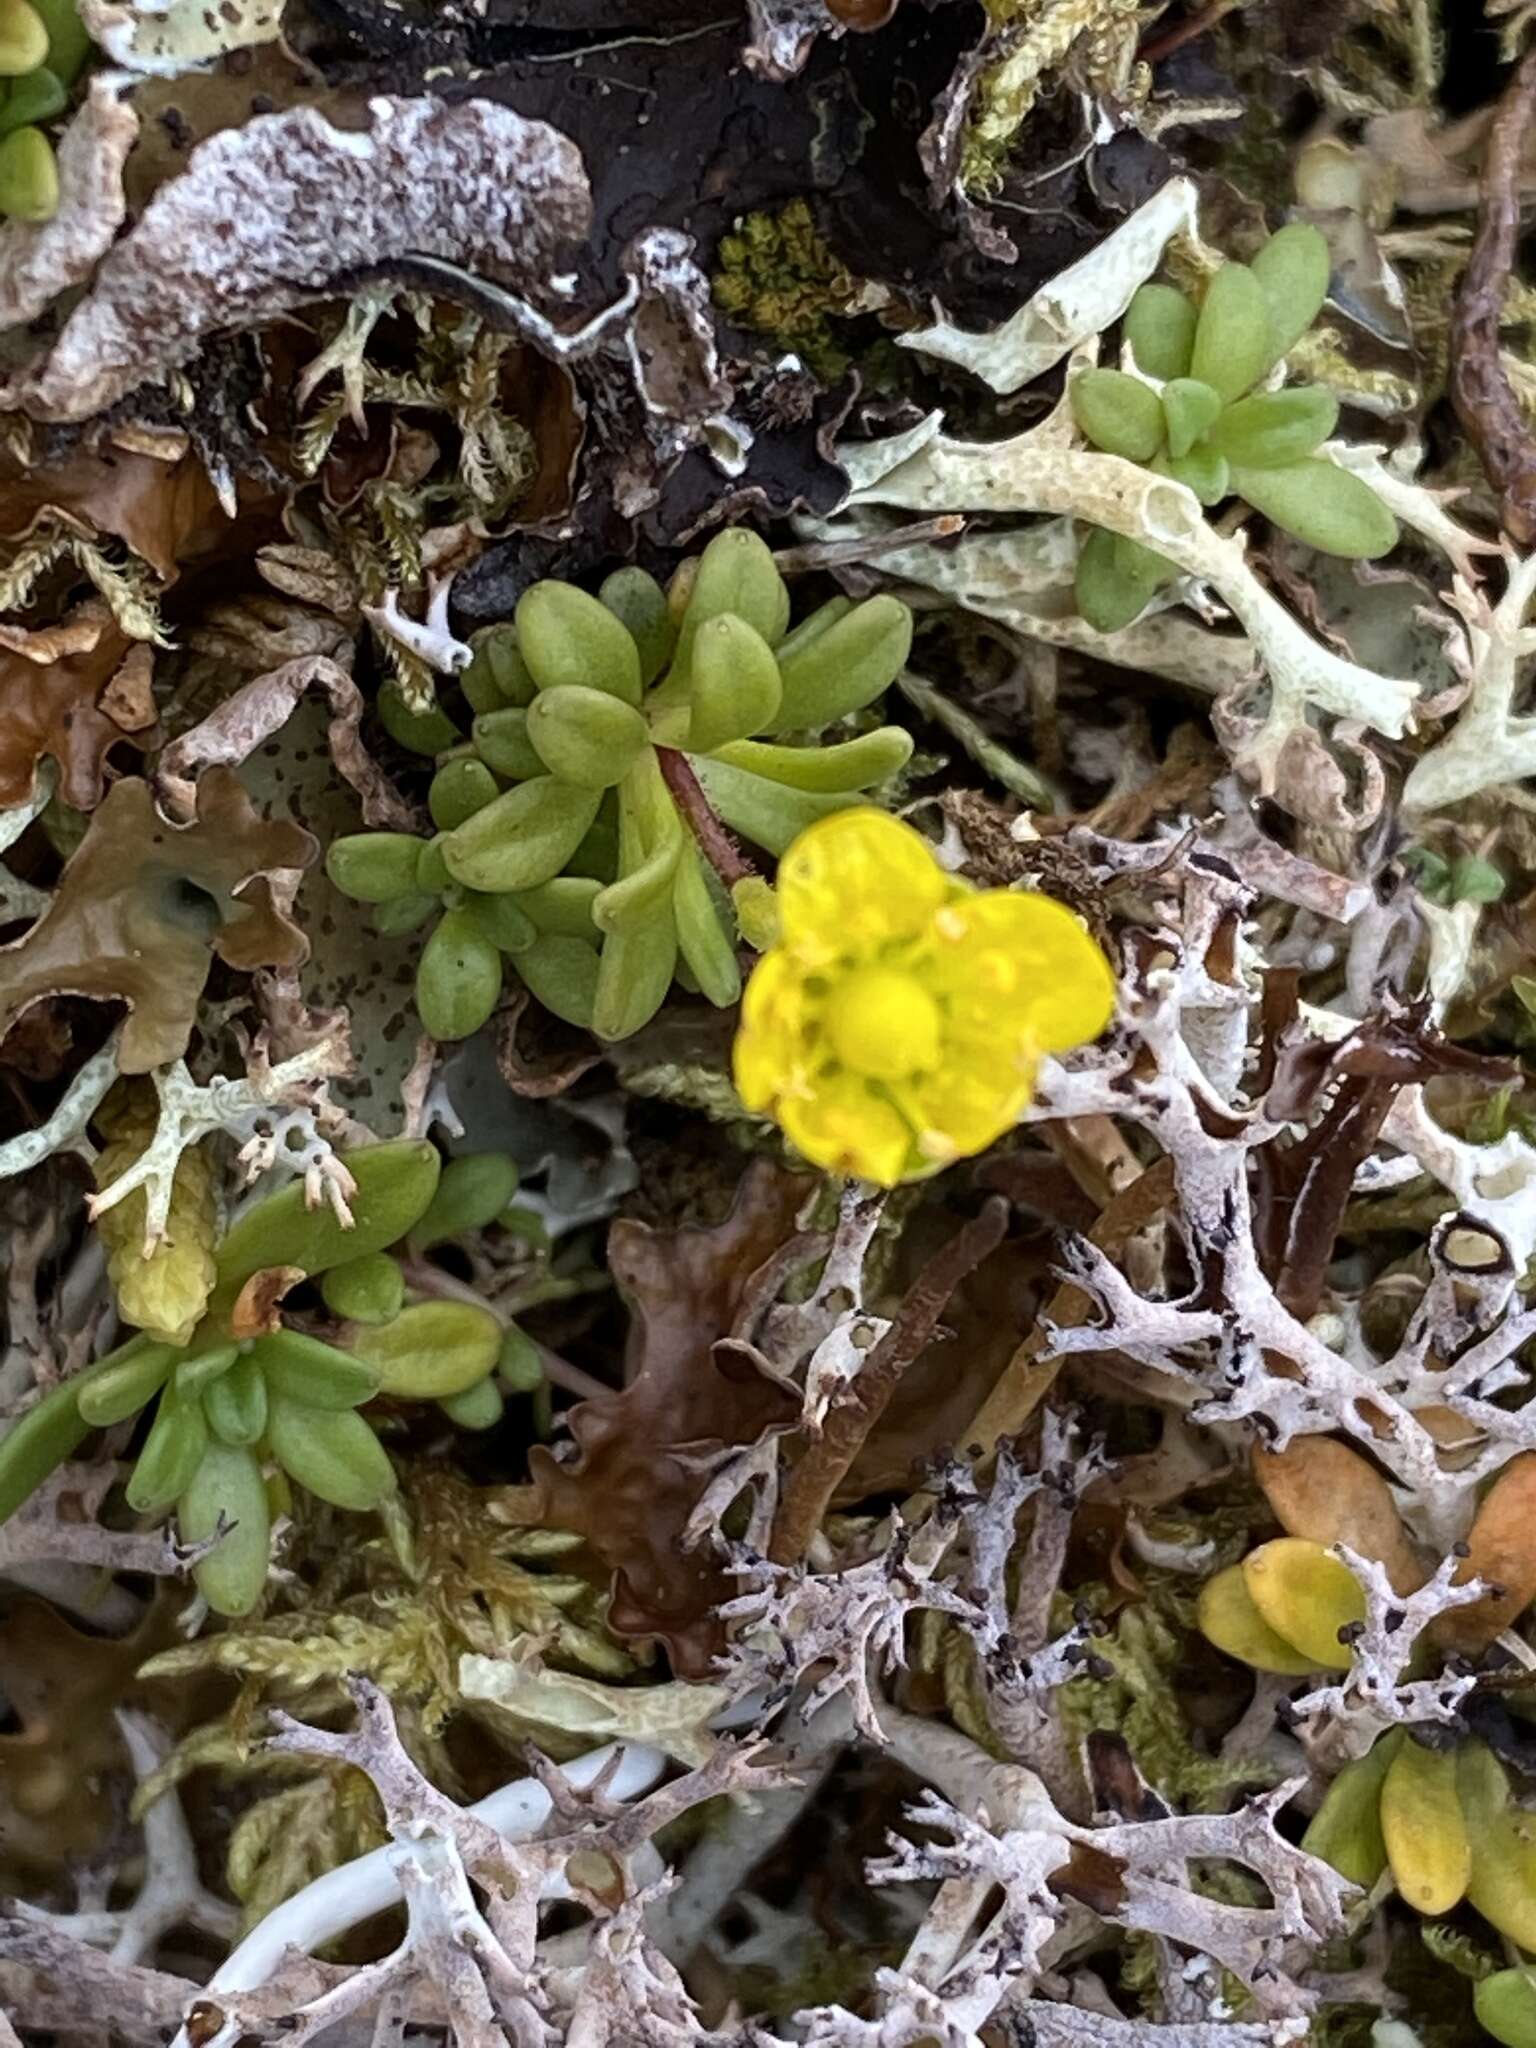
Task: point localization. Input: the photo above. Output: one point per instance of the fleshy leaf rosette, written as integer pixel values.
(898, 1022)
(1207, 423)
(618, 740)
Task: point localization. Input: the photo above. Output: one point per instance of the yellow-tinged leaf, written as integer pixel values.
(1306, 1596)
(167, 1292)
(1503, 1883)
(1423, 1826)
(1346, 1829)
(1229, 1619)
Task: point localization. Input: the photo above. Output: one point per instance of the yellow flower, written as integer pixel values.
(898, 1022)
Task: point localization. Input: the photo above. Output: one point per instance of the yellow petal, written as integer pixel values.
(845, 1126)
(1027, 963)
(770, 1050)
(966, 1105)
(854, 882)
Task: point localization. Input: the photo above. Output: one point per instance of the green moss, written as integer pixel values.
(778, 277)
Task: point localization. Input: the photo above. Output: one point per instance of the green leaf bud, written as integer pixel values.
(1323, 505)
(702, 936)
(478, 1407)
(431, 1350)
(303, 1369)
(172, 1451)
(1292, 270)
(394, 1183)
(458, 978)
(735, 688)
(459, 789)
(23, 38)
(585, 736)
(499, 664)
(1202, 471)
(366, 1290)
(235, 1406)
(525, 837)
(502, 920)
(124, 1382)
(33, 100)
(569, 637)
(1160, 327)
(39, 1441)
(846, 667)
(502, 742)
(850, 764)
(1232, 337)
(1474, 880)
(767, 813)
(1118, 413)
(421, 732)
(471, 1194)
(1273, 428)
(332, 1454)
(374, 867)
(563, 906)
(228, 1485)
(1109, 597)
(639, 601)
(520, 1366)
(639, 894)
(1190, 409)
(405, 914)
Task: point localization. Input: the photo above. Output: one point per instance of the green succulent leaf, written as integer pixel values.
(430, 1351)
(525, 837)
(703, 938)
(459, 789)
(1190, 409)
(1118, 413)
(395, 1182)
(1233, 345)
(458, 977)
(366, 1290)
(562, 907)
(849, 764)
(1273, 428)
(228, 1488)
(331, 1453)
(566, 636)
(122, 1383)
(735, 690)
(585, 736)
(560, 971)
(471, 1194)
(502, 741)
(1292, 270)
(1505, 2004)
(302, 1368)
(638, 600)
(767, 813)
(430, 732)
(1160, 327)
(1323, 505)
(374, 867)
(844, 667)
(172, 1451)
(235, 1406)
(1203, 470)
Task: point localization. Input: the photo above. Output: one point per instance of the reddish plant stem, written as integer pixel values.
(1156, 47)
(1480, 390)
(715, 843)
(860, 1402)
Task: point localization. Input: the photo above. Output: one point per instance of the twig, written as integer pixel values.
(860, 1402)
(715, 843)
(1480, 388)
(869, 547)
(1157, 47)
(1025, 1382)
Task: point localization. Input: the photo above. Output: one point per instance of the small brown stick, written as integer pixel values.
(861, 1401)
(1480, 389)
(838, 554)
(1157, 47)
(1025, 1382)
(715, 843)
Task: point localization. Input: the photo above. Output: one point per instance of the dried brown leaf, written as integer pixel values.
(143, 905)
(1501, 1548)
(644, 1451)
(1323, 1491)
(53, 706)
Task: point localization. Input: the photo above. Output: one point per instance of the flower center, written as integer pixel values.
(883, 1024)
